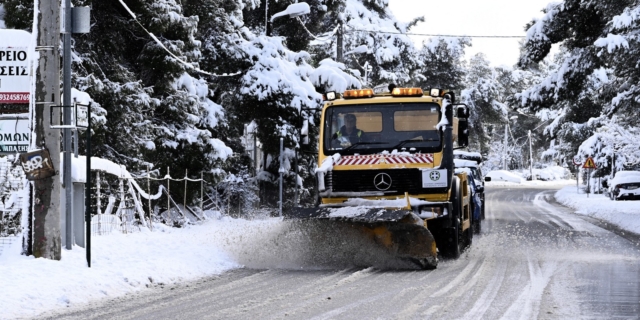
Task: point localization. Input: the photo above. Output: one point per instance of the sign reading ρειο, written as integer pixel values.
(15, 80)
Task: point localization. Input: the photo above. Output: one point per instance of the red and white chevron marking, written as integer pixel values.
(422, 158)
(359, 160)
(377, 159)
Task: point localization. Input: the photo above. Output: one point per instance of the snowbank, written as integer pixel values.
(121, 263)
(623, 214)
(504, 176)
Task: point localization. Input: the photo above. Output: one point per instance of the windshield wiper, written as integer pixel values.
(362, 143)
(403, 142)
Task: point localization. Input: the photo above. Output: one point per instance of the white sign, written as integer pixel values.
(434, 178)
(15, 81)
(14, 135)
(82, 115)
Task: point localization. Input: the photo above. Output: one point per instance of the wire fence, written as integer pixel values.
(12, 182)
(123, 203)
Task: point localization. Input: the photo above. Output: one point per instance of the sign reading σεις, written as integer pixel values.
(15, 80)
(14, 135)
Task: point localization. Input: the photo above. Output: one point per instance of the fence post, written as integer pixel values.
(168, 192)
(98, 202)
(201, 193)
(121, 205)
(186, 174)
(149, 196)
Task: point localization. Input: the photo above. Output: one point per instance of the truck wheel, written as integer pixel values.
(453, 236)
(453, 243)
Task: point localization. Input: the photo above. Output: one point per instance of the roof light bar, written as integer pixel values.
(360, 93)
(435, 92)
(407, 92)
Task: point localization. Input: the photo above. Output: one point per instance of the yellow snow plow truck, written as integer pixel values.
(385, 167)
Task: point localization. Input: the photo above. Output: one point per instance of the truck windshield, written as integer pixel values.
(374, 128)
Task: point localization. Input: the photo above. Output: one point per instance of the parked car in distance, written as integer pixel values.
(625, 185)
(477, 204)
(473, 170)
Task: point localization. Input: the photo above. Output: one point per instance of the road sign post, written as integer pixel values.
(589, 165)
(577, 164)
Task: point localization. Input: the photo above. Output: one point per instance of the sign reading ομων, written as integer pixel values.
(15, 81)
(14, 135)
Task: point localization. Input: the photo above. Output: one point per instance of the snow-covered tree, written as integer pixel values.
(441, 63)
(18, 14)
(156, 106)
(389, 52)
(595, 82)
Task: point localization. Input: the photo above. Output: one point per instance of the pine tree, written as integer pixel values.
(441, 63)
(18, 14)
(157, 106)
(595, 77)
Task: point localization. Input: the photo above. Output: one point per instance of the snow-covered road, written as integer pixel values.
(533, 260)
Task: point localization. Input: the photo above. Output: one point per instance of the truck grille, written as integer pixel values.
(402, 180)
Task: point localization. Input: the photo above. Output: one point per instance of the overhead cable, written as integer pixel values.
(432, 35)
(171, 53)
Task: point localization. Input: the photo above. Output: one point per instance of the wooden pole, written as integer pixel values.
(46, 192)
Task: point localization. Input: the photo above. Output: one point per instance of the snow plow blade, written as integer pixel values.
(399, 231)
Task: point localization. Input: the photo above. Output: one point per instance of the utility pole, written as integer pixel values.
(66, 94)
(531, 158)
(506, 137)
(46, 192)
(339, 53)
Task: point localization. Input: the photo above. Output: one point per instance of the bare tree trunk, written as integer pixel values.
(46, 193)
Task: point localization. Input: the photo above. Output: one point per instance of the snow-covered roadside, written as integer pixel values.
(120, 264)
(123, 264)
(623, 214)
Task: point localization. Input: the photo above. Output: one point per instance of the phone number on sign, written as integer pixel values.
(14, 97)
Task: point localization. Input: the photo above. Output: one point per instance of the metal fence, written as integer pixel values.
(119, 203)
(12, 183)
(6, 242)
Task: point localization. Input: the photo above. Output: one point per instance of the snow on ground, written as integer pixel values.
(121, 263)
(124, 263)
(623, 214)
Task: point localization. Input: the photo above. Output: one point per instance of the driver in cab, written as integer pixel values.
(348, 133)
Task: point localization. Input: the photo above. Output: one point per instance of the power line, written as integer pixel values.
(434, 35)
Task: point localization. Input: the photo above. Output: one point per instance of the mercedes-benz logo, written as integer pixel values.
(382, 181)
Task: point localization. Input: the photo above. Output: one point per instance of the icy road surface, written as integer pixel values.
(533, 260)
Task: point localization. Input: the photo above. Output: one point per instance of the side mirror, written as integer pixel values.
(462, 113)
(487, 179)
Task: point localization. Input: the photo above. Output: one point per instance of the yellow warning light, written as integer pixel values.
(407, 92)
(359, 93)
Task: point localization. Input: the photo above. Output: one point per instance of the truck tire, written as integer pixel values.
(453, 236)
